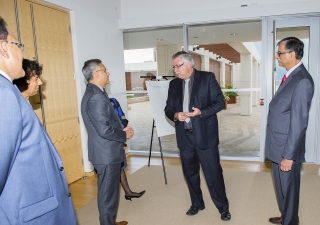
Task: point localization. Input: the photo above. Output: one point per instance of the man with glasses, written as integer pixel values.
(194, 99)
(33, 187)
(106, 136)
(286, 129)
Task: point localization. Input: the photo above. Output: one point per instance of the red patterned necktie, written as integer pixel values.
(283, 79)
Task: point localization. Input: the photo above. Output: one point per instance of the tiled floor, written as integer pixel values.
(239, 135)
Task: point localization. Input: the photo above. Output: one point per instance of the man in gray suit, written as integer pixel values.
(105, 139)
(33, 186)
(286, 129)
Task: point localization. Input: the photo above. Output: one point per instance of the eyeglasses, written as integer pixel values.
(105, 70)
(280, 53)
(177, 66)
(20, 46)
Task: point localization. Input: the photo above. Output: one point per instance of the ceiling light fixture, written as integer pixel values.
(234, 34)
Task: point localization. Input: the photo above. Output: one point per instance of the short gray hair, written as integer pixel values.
(89, 67)
(184, 56)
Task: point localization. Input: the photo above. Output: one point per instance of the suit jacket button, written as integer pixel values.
(69, 195)
(61, 168)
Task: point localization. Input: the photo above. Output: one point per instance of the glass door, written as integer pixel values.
(307, 30)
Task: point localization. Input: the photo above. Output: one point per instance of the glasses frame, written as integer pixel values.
(20, 45)
(280, 53)
(177, 66)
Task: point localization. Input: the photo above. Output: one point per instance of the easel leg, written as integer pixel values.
(151, 143)
(164, 170)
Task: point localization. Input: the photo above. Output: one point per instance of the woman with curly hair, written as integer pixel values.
(29, 84)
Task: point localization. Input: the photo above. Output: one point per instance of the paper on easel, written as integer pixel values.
(158, 93)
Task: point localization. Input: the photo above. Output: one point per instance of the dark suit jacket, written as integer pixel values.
(33, 187)
(288, 117)
(105, 132)
(205, 95)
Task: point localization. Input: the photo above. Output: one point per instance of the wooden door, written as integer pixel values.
(7, 12)
(54, 49)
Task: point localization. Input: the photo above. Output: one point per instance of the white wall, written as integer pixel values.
(146, 13)
(96, 35)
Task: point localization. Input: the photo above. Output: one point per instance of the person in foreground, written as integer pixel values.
(194, 99)
(29, 84)
(33, 187)
(286, 129)
(105, 139)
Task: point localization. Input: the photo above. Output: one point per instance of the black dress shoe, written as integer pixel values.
(137, 196)
(225, 215)
(194, 210)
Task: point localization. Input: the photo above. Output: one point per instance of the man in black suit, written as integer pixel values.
(286, 129)
(105, 139)
(194, 99)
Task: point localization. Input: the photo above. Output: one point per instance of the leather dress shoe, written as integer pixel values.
(194, 210)
(122, 223)
(225, 215)
(277, 220)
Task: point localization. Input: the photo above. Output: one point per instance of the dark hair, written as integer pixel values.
(28, 66)
(184, 56)
(3, 29)
(293, 44)
(90, 66)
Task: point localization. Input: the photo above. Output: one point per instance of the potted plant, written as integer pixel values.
(232, 95)
(226, 99)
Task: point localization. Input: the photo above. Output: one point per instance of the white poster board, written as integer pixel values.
(158, 92)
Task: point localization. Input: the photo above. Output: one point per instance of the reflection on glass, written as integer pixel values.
(147, 57)
(232, 52)
(303, 33)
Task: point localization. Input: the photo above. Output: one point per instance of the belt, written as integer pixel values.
(190, 130)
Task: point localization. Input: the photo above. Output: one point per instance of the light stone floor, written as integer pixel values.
(239, 135)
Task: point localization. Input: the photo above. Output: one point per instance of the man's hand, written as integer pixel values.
(129, 132)
(196, 112)
(181, 116)
(286, 165)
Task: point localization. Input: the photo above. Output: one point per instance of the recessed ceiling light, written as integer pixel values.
(234, 34)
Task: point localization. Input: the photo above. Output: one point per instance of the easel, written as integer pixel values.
(153, 126)
(164, 170)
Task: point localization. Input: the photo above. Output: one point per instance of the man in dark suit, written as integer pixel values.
(286, 129)
(194, 99)
(105, 139)
(33, 187)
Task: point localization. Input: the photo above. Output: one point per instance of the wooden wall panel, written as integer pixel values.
(228, 74)
(214, 67)
(225, 50)
(197, 61)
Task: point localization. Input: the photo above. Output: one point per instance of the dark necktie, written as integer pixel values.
(283, 79)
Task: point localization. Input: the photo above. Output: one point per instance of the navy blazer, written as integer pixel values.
(206, 95)
(33, 187)
(288, 117)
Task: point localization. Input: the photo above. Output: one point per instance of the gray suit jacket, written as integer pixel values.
(288, 117)
(105, 132)
(33, 187)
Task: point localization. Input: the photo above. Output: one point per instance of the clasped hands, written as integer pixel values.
(129, 132)
(181, 116)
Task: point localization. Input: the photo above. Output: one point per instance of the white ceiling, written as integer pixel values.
(198, 34)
